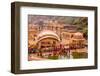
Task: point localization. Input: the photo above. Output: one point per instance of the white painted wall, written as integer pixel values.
(5, 42)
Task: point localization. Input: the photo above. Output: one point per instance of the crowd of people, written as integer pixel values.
(59, 51)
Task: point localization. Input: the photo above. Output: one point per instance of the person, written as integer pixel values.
(67, 50)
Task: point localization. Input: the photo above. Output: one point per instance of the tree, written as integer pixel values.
(82, 25)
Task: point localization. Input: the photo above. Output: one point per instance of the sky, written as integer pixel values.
(36, 19)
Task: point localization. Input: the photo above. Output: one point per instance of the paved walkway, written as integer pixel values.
(34, 57)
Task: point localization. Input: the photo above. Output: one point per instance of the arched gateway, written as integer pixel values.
(47, 39)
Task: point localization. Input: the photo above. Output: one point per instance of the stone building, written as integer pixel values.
(48, 34)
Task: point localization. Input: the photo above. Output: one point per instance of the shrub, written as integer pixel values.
(77, 55)
(53, 57)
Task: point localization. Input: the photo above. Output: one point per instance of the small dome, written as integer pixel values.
(78, 35)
